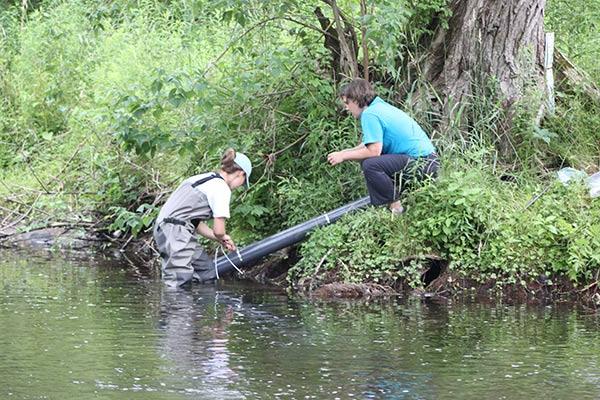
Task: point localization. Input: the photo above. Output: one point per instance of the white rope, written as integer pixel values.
(215, 262)
(228, 259)
(231, 262)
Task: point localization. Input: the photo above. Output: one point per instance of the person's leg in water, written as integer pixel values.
(176, 245)
(203, 265)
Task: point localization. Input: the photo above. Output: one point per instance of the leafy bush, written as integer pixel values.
(355, 249)
(481, 224)
(124, 220)
(49, 71)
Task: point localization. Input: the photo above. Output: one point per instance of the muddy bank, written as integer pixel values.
(438, 279)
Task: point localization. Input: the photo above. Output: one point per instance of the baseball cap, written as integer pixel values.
(244, 163)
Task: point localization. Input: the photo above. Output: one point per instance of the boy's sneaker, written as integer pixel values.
(397, 210)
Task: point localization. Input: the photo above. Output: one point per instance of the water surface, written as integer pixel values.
(101, 329)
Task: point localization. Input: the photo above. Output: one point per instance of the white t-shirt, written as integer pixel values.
(218, 195)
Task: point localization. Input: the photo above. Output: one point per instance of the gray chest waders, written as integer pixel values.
(183, 259)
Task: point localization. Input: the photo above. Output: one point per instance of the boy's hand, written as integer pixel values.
(335, 158)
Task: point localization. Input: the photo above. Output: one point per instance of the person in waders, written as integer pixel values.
(198, 199)
(393, 145)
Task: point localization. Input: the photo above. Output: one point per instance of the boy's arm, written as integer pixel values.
(359, 152)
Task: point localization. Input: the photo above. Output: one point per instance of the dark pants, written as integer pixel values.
(387, 173)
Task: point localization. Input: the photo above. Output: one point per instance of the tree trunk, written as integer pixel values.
(341, 41)
(487, 39)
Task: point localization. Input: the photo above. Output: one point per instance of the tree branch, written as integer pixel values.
(363, 39)
(230, 45)
(347, 54)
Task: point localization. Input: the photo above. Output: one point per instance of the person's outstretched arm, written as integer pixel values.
(359, 152)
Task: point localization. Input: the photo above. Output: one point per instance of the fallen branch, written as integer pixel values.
(271, 157)
(54, 225)
(575, 78)
(22, 216)
(36, 178)
(312, 281)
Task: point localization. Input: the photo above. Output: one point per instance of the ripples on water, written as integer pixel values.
(94, 329)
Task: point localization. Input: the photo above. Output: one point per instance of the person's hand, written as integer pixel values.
(228, 243)
(335, 158)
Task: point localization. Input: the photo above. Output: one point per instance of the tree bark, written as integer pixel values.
(332, 43)
(349, 50)
(341, 41)
(487, 39)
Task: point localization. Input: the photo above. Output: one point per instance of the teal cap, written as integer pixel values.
(244, 163)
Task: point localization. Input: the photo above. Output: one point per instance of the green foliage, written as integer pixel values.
(139, 122)
(109, 105)
(125, 220)
(550, 238)
(395, 28)
(345, 251)
(120, 186)
(577, 135)
(479, 223)
(576, 25)
(49, 71)
(456, 216)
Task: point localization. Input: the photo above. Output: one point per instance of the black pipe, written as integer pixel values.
(254, 252)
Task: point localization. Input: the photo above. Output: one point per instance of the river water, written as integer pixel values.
(100, 329)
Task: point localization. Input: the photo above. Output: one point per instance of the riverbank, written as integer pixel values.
(438, 280)
(105, 111)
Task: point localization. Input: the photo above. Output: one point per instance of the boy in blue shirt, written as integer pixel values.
(392, 143)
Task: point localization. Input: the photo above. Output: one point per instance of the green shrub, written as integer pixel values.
(482, 225)
(351, 250)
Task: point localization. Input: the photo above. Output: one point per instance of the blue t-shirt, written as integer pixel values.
(399, 133)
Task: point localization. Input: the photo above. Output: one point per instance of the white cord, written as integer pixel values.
(231, 262)
(228, 259)
(215, 262)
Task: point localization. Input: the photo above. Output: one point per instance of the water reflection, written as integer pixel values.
(195, 340)
(72, 329)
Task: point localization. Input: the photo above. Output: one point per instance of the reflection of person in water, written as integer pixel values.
(216, 366)
(195, 326)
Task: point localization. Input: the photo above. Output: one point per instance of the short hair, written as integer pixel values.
(360, 91)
